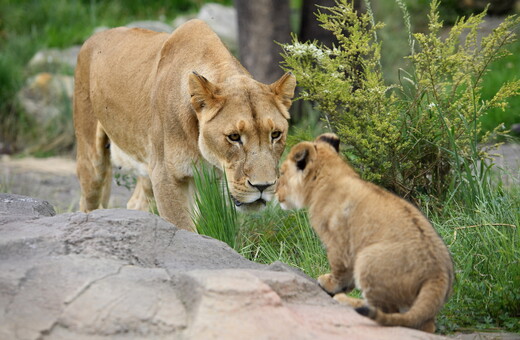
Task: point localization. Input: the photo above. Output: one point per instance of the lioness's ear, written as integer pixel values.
(203, 93)
(329, 138)
(283, 88)
(302, 154)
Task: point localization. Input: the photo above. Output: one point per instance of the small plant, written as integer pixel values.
(419, 136)
(125, 180)
(286, 236)
(215, 214)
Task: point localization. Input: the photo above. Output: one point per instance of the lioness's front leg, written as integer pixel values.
(172, 198)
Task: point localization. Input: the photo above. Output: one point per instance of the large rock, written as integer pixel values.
(16, 207)
(222, 19)
(157, 26)
(47, 96)
(54, 60)
(120, 274)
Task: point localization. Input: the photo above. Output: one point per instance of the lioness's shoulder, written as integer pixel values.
(194, 30)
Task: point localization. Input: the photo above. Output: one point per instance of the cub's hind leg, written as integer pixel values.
(428, 326)
(341, 279)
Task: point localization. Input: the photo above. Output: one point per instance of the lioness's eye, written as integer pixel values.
(234, 137)
(276, 134)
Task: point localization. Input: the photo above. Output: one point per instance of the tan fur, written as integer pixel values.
(168, 101)
(375, 240)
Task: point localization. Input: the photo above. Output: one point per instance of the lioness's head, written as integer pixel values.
(242, 130)
(301, 168)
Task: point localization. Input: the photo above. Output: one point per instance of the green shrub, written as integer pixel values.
(419, 136)
(500, 71)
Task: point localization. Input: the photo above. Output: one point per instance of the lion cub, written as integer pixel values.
(375, 240)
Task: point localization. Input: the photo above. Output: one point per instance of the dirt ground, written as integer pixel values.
(52, 179)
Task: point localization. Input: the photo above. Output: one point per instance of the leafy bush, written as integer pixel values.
(419, 136)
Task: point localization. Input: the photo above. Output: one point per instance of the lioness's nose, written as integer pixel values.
(260, 187)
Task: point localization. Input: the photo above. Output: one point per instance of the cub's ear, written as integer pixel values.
(302, 155)
(283, 88)
(329, 138)
(203, 93)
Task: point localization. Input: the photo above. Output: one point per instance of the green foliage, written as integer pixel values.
(418, 136)
(125, 180)
(286, 236)
(485, 244)
(500, 71)
(215, 214)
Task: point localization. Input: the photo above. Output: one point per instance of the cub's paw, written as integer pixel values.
(344, 299)
(330, 284)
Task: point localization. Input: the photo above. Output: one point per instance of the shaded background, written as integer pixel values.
(35, 91)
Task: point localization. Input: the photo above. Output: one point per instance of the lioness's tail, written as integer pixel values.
(422, 313)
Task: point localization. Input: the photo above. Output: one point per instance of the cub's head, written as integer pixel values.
(242, 130)
(301, 168)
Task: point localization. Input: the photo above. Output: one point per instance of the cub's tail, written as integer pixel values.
(422, 313)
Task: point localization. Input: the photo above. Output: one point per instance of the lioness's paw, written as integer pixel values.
(329, 284)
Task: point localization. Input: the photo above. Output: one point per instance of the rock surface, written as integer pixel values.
(157, 26)
(52, 179)
(223, 20)
(54, 60)
(120, 274)
(47, 97)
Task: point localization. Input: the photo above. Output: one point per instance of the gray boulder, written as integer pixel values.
(18, 207)
(54, 60)
(157, 26)
(222, 19)
(121, 274)
(47, 96)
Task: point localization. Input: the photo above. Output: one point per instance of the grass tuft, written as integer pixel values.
(215, 214)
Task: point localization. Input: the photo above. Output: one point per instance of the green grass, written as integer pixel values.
(286, 236)
(215, 214)
(485, 244)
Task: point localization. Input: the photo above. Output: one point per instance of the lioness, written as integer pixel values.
(375, 240)
(160, 103)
